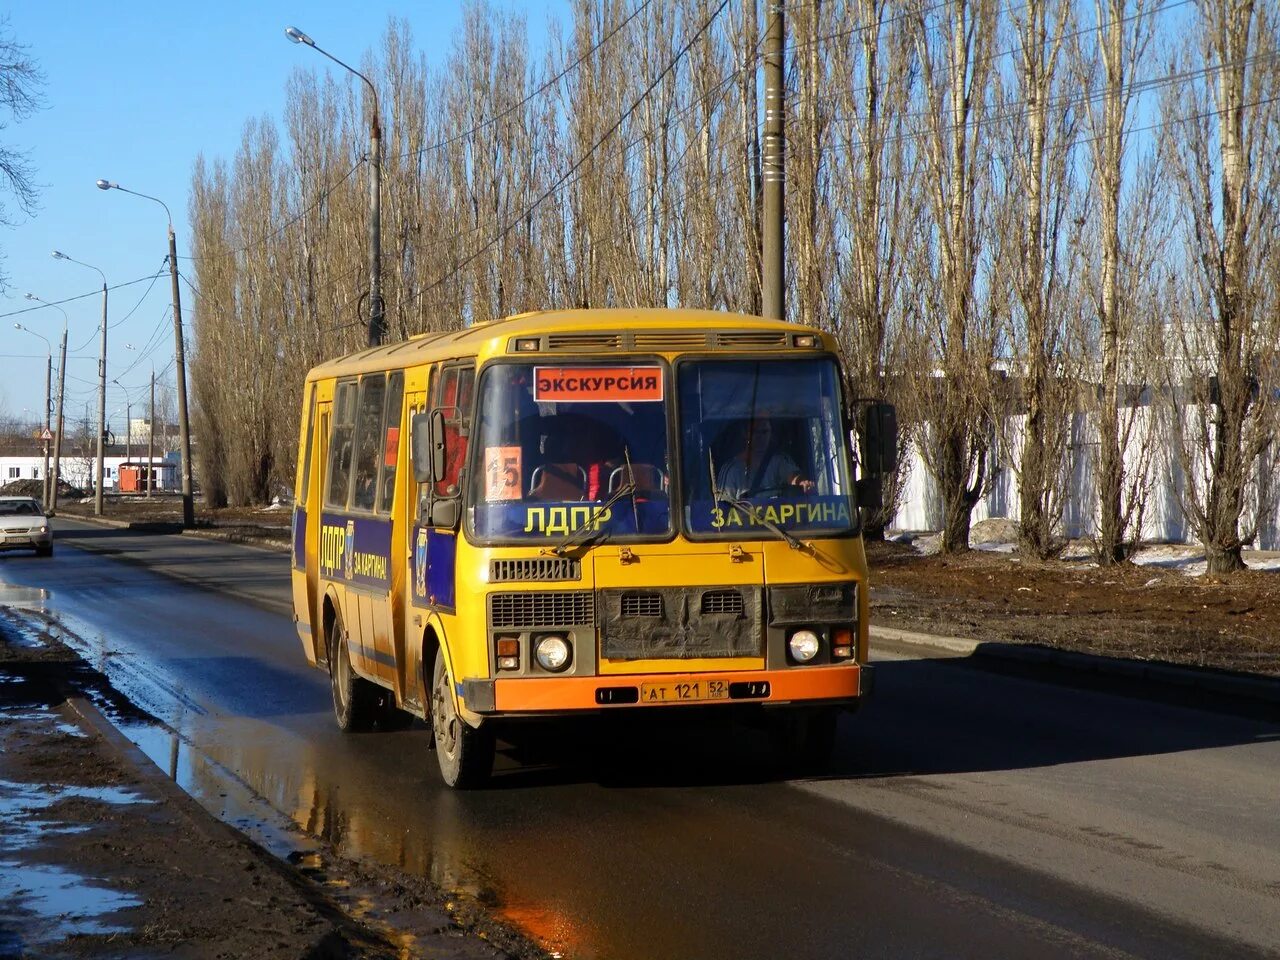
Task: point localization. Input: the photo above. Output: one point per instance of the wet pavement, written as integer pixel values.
(967, 815)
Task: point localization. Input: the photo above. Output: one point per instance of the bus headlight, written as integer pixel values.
(552, 652)
(804, 645)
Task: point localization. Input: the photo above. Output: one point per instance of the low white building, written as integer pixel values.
(79, 471)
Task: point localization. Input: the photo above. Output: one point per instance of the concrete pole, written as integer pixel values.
(57, 437)
(377, 323)
(48, 411)
(102, 410)
(151, 438)
(773, 266)
(180, 367)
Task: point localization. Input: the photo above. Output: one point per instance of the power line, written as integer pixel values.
(490, 121)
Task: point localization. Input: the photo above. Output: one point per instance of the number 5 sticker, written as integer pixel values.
(503, 478)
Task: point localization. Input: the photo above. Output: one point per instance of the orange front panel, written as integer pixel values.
(579, 693)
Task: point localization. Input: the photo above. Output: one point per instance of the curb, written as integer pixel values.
(144, 529)
(1218, 682)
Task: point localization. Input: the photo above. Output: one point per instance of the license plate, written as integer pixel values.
(16, 539)
(684, 692)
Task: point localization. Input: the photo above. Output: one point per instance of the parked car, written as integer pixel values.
(23, 526)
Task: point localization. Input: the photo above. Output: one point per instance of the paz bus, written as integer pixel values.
(572, 512)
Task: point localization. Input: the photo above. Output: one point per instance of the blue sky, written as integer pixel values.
(134, 92)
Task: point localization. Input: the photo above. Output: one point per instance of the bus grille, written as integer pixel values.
(543, 569)
(669, 340)
(584, 341)
(641, 605)
(751, 339)
(722, 601)
(526, 609)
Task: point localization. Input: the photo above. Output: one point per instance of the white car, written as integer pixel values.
(23, 526)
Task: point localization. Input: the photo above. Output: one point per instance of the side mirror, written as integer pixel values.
(879, 435)
(444, 513)
(437, 445)
(420, 428)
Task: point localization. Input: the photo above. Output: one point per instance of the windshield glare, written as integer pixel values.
(20, 508)
(556, 442)
(770, 435)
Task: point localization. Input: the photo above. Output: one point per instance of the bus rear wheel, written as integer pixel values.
(464, 752)
(355, 699)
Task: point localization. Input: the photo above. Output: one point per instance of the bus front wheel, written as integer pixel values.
(464, 752)
(355, 699)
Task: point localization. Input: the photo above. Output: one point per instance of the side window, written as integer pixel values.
(304, 488)
(452, 397)
(340, 446)
(369, 422)
(391, 440)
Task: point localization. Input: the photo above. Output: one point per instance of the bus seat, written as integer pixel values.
(558, 481)
(650, 480)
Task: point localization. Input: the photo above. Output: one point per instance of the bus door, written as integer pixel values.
(433, 557)
(306, 519)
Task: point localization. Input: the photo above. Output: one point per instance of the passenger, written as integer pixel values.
(757, 468)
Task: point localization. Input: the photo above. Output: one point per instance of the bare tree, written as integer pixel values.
(20, 83)
(1221, 130)
(956, 332)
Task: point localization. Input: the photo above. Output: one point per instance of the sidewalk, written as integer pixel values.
(102, 855)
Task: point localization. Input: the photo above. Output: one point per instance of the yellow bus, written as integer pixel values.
(592, 510)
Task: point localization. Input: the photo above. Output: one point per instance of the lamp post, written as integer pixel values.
(51, 499)
(179, 355)
(377, 325)
(48, 395)
(102, 385)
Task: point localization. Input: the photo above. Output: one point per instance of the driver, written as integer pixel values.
(757, 467)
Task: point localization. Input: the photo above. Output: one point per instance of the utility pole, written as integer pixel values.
(102, 409)
(180, 367)
(179, 354)
(377, 324)
(48, 411)
(57, 437)
(151, 438)
(773, 266)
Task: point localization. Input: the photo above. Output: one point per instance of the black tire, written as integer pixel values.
(45, 551)
(806, 738)
(464, 752)
(355, 699)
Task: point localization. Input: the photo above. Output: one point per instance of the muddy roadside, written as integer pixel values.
(101, 855)
(1152, 612)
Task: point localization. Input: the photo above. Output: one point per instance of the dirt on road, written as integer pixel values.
(102, 856)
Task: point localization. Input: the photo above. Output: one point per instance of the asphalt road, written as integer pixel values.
(969, 814)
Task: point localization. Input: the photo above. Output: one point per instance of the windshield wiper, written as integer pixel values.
(572, 538)
(753, 511)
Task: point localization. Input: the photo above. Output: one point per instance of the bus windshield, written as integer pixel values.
(763, 440)
(556, 444)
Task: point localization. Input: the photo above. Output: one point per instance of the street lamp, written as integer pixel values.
(102, 384)
(51, 481)
(179, 355)
(48, 395)
(377, 325)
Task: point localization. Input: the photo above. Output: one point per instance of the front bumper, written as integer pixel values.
(25, 541)
(843, 683)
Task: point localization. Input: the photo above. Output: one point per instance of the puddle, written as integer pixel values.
(62, 903)
(24, 598)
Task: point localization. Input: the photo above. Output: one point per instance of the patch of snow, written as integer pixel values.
(993, 547)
